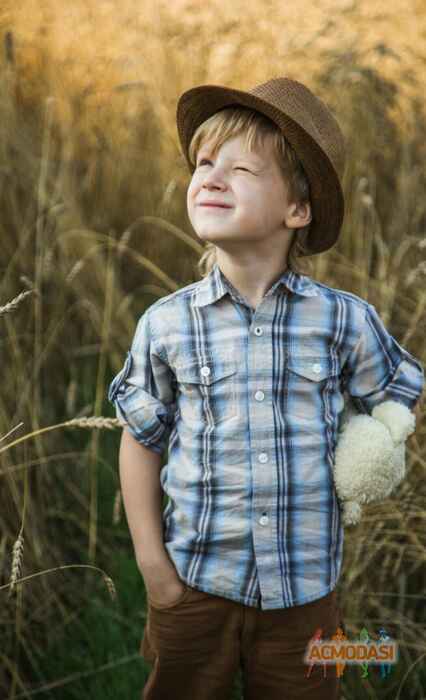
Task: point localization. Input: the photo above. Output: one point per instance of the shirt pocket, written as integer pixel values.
(311, 381)
(207, 391)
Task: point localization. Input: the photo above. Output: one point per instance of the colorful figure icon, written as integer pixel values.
(317, 637)
(385, 669)
(364, 637)
(340, 636)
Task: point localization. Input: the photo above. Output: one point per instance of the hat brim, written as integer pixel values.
(327, 201)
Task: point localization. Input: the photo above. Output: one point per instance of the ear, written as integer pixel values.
(298, 215)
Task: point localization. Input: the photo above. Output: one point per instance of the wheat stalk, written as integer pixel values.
(110, 586)
(117, 507)
(12, 583)
(11, 431)
(17, 560)
(85, 422)
(12, 305)
(92, 422)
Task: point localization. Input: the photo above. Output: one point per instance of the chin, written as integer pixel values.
(209, 236)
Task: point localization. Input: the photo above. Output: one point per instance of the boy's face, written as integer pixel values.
(251, 184)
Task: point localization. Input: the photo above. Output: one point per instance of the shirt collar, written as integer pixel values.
(215, 285)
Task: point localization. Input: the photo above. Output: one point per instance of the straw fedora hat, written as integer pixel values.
(308, 125)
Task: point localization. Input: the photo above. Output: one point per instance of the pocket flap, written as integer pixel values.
(313, 367)
(208, 372)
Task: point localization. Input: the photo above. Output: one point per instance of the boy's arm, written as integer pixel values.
(378, 369)
(143, 394)
(142, 497)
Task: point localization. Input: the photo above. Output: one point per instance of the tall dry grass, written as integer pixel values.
(94, 228)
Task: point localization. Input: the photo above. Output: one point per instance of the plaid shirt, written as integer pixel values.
(249, 403)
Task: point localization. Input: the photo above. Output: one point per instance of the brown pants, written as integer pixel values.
(197, 644)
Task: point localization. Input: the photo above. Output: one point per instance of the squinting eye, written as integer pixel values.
(204, 160)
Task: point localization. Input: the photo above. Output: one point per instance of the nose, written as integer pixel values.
(213, 180)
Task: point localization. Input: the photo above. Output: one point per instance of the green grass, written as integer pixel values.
(94, 650)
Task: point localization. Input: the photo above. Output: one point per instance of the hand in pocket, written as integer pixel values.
(167, 595)
(162, 583)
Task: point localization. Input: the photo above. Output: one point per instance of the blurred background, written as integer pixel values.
(94, 229)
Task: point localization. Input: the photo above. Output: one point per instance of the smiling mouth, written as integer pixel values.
(214, 206)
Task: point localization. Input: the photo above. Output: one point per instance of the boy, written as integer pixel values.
(243, 374)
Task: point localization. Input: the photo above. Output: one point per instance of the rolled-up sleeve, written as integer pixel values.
(143, 392)
(378, 369)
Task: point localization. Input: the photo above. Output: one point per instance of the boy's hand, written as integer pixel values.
(167, 592)
(162, 582)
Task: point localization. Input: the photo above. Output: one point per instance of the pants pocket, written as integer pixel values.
(168, 606)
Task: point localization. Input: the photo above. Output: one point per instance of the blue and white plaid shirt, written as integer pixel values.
(249, 403)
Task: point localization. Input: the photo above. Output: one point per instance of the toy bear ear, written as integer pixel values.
(352, 512)
(398, 419)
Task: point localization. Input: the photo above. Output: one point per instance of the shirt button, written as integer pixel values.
(205, 371)
(263, 457)
(258, 330)
(259, 396)
(316, 367)
(264, 520)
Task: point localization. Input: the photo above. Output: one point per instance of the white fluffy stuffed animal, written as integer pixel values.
(370, 455)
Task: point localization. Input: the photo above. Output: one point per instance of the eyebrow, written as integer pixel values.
(245, 156)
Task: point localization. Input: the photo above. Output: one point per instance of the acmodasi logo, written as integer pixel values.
(339, 651)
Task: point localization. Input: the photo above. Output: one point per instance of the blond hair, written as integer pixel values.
(232, 121)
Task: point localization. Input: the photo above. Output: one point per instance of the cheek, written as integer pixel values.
(189, 199)
(190, 203)
(191, 193)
